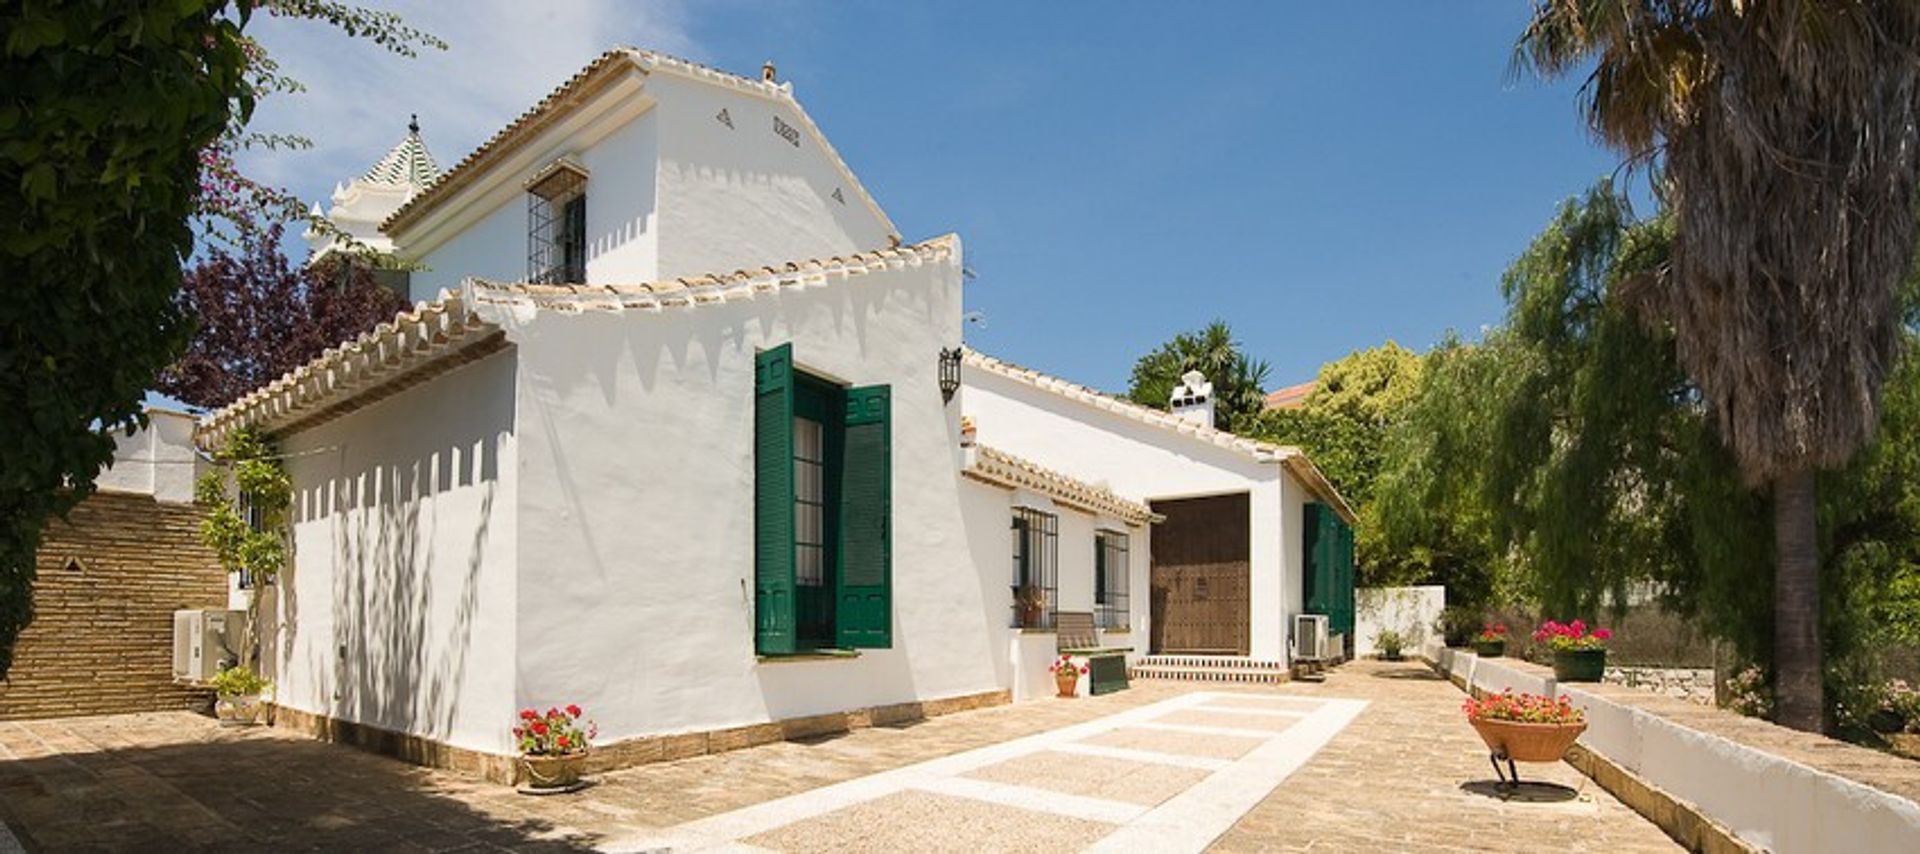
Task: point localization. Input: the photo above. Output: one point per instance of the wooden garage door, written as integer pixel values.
(1200, 576)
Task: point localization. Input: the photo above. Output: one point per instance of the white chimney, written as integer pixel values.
(1193, 399)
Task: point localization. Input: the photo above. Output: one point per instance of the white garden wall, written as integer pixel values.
(1774, 803)
(157, 460)
(397, 608)
(1411, 611)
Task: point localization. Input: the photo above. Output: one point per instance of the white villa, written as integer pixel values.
(682, 431)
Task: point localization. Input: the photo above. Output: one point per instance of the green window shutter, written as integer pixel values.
(864, 618)
(774, 608)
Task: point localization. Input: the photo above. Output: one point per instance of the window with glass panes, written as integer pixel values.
(1036, 553)
(1110, 579)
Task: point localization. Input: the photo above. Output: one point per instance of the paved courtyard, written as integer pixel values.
(1376, 758)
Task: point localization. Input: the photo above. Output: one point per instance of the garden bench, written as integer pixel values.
(1106, 665)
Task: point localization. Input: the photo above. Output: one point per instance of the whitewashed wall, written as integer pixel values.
(397, 609)
(636, 496)
(1144, 462)
(157, 460)
(1411, 611)
(672, 192)
(743, 196)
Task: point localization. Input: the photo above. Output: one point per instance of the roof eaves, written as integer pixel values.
(577, 88)
(1000, 468)
(713, 288)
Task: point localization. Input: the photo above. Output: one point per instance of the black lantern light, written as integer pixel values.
(949, 373)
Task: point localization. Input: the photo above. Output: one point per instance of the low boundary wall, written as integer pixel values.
(1763, 800)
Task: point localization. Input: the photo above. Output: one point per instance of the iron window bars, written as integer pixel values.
(1110, 606)
(557, 227)
(1036, 550)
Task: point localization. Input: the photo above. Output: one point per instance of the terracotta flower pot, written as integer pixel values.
(1579, 665)
(1490, 649)
(1523, 742)
(1068, 682)
(553, 772)
(239, 709)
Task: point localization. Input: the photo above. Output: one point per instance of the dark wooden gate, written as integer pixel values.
(1200, 575)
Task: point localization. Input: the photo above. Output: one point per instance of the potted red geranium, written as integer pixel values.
(1579, 655)
(553, 748)
(1526, 727)
(1492, 640)
(1066, 676)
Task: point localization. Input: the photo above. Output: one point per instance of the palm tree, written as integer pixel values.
(1784, 135)
(1239, 382)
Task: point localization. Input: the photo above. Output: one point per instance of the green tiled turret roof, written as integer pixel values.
(409, 163)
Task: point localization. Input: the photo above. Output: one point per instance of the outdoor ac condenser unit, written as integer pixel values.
(1310, 641)
(205, 640)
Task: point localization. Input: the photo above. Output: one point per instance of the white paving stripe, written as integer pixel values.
(1153, 757)
(1191, 820)
(1259, 713)
(1188, 821)
(1042, 800)
(1203, 729)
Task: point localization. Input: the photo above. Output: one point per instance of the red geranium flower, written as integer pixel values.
(561, 741)
(573, 710)
(539, 728)
(527, 715)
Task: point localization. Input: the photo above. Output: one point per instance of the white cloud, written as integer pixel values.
(502, 56)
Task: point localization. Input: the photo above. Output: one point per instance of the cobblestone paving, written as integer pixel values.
(1391, 781)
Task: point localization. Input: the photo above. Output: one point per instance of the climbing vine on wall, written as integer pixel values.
(246, 496)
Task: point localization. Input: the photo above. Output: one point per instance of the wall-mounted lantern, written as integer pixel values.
(949, 373)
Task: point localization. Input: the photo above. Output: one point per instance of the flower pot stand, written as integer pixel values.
(1510, 742)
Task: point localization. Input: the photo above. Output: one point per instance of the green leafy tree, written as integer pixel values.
(109, 106)
(116, 136)
(1343, 426)
(1785, 135)
(1238, 381)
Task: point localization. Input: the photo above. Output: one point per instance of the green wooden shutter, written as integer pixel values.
(773, 555)
(1317, 538)
(864, 618)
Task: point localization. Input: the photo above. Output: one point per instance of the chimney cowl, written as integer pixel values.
(1192, 399)
(766, 71)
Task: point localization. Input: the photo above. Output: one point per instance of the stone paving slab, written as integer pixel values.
(922, 821)
(1390, 781)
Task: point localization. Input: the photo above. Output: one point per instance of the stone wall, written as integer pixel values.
(110, 578)
(1683, 683)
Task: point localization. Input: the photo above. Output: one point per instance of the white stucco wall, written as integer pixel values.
(671, 192)
(1146, 463)
(743, 196)
(397, 609)
(636, 490)
(618, 144)
(1411, 611)
(157, 460)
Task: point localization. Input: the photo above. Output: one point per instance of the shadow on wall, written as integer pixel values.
(411, 503)
(250, 791)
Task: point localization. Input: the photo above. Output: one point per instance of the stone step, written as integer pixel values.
(1270, 675)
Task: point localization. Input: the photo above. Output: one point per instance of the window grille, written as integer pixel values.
(256, 520)
(1110, 579)
(809, 503)
(1036, 550)
(557, 228)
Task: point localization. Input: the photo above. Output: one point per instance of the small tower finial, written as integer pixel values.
(766, 71)
(413, 124)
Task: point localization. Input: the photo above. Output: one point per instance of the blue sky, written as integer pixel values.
(1324, 177)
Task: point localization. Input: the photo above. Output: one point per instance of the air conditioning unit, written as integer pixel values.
(1310, 639)
(205, 641)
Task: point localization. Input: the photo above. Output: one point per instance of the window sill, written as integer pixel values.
(1117, 630)
(810, 655)
(1034, 630)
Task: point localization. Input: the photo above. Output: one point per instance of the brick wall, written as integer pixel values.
(101, 641)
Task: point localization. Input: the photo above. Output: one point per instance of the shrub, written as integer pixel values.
(556, 733)
(239, 681)
(1390, 643)
(1457, 624)
(1747, 693)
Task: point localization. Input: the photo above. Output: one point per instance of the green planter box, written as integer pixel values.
(1579, 665)
(1490, 649)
